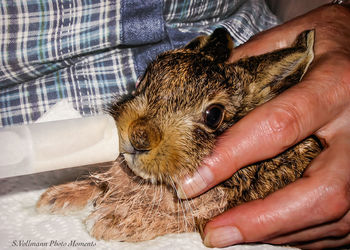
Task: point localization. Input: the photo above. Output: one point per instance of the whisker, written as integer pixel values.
(188, 203)
(181, 203)
(153, 201)
(160, 198)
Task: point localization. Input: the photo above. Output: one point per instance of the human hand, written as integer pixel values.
(312, 212)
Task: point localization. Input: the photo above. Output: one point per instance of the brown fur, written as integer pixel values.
(164, 136)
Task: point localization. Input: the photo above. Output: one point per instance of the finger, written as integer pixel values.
(339, 229)
(284, 35)
(321, 196)
(277, 125)
(337, 134)
(269, 40)
(329, 243)
(334, 129)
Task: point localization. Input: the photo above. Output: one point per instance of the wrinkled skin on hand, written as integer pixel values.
(312, 212)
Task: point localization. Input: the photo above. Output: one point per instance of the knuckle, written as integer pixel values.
(284, 125)
(334, 13)
(340, 91)
(339, 10)
(344, 195)
(341, 58)
(338, 203)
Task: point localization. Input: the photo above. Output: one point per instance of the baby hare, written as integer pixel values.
(185, 100)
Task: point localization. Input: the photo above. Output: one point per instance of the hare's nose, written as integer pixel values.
(144, 135)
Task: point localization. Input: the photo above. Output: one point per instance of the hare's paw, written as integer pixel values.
(68, 197)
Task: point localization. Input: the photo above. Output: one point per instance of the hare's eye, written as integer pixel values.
(213, 116)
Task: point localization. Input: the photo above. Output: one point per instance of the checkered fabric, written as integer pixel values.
(88, 51)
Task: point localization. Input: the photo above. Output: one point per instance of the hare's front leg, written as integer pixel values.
(132, 211)
(135, 213)
(69, 197)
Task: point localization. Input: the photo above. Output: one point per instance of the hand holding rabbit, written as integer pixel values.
(314, 211)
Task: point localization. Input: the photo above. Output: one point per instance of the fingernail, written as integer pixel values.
(223, 236)
(193, 185)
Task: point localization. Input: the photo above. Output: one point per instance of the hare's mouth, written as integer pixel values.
(131, 159)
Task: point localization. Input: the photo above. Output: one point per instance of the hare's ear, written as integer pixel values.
(274, 72)
(217, 46)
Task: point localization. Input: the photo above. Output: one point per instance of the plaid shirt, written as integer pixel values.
(88, 51)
